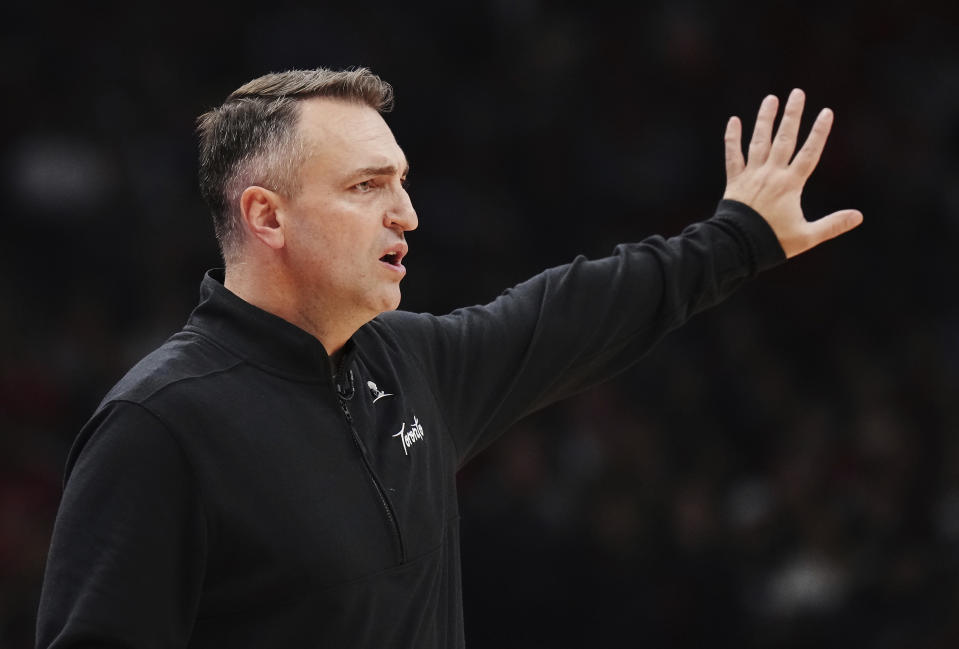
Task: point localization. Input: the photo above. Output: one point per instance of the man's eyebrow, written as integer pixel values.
(388, 170)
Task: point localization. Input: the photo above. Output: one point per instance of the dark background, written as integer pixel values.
(781, 472)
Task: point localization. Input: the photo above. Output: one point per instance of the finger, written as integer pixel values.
(734, 148)
(830, 227)
(784, 143)
(762, 132)
(808, 157)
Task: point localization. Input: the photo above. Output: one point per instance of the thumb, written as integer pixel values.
(831, 226)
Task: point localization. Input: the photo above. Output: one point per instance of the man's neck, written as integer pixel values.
(283, 299)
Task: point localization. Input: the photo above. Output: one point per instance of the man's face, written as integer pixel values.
(345, 227)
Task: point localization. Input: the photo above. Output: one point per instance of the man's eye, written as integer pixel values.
(364, 186)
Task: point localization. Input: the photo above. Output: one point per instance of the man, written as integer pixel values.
(281, 472)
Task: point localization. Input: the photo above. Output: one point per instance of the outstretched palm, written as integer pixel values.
(771, 180)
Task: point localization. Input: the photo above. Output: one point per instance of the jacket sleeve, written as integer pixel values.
(127, 554)
(576, 325)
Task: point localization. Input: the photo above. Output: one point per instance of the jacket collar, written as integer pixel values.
(258, 336)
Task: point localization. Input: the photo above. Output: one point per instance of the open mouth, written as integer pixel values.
(393, 255)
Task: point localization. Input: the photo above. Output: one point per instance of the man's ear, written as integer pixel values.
(259, 207)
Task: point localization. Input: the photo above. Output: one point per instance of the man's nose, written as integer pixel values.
(401, 213)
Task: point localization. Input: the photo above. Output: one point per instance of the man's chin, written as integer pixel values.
(390, 302)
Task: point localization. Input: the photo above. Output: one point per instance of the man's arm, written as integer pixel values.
(577, 325)
(127, 557)
(574, 326)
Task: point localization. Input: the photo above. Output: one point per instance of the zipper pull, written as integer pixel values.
(345, 389)
(345, 409)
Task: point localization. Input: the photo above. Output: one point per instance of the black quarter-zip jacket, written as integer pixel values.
(232, 491)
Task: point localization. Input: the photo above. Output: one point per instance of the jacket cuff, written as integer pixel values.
(764, 248)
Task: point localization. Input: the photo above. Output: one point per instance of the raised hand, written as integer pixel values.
(771, 180)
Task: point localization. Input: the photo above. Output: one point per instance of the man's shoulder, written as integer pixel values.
(400, 321)
(184, 358)
(405, 328)
(389, 324)
(400, 329)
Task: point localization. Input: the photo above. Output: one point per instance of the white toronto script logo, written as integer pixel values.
(411, 436)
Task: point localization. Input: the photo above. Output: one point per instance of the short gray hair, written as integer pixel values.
(251, 138)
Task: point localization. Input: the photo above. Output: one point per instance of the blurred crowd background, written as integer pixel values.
(783, 471)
